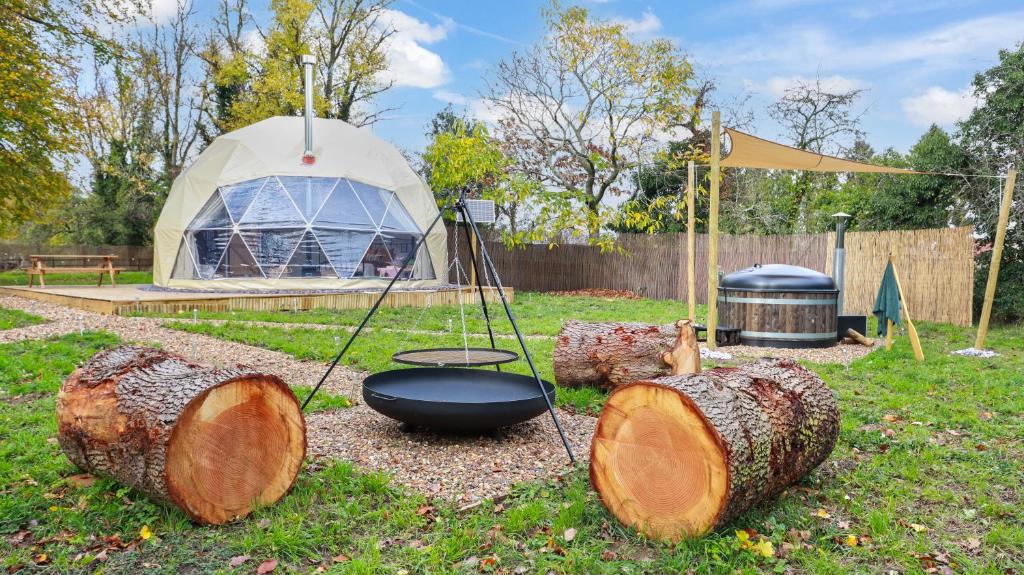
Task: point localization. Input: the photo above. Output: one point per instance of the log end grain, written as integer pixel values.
(235, 447)
(658, 464)
(215, 442)
(680, 455)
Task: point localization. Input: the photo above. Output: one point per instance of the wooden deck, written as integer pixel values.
(126, 299)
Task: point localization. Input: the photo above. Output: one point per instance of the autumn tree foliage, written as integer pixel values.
(38, 123)
(584, 106)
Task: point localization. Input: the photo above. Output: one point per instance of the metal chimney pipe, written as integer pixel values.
(307, 64)
(839, 261)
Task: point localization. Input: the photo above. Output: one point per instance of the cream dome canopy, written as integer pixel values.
(248, 214)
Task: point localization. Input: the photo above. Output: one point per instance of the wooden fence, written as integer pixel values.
(135, 258)
(936, 266)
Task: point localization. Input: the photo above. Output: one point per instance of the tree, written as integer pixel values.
(993, 135)
(817, 119)
(585, 105)
(122, 143)
(351, 56)
(38, 119)
(225, 62)
(168, 55)
(349, 38)
(276, 82)
(917, 201)
(463, 157)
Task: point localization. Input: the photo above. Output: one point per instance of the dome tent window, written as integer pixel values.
(301, 227)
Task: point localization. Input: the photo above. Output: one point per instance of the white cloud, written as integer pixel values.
(939, 106)
(158, 11)
(163, 11)
(450, 97)
(409, 63)
(801, 47)
(254, 42)
(776, 86)
(484, 111)
(647, 23)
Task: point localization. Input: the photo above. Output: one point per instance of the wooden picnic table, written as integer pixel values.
(40, 268)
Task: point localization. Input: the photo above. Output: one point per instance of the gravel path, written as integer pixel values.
(462, 468)
(842, 353)
(201, 348)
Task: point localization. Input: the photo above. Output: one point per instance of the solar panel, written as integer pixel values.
(482, 211)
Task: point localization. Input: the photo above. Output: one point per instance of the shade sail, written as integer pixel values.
(752, 152)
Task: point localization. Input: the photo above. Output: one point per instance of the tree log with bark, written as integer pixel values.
(214, 442)
(608, 355)
(680, 455)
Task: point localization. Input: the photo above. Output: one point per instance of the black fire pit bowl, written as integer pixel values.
(456, 398)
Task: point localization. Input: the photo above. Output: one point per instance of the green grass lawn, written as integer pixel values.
(535, 313)
(18, 277)
(926, 478)
(12, 318)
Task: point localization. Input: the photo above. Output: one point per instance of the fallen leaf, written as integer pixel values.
(823, 514)
(986, 415)
(41, 559)
(341, 558)
(263, 523)
(238, 560)
(973, 543)
(569, 534)
(852, 540)
(81, 480)
(145, 533)
(843, 524)
(918, 527)
(20, 538)
(608, 555)
(266, 567)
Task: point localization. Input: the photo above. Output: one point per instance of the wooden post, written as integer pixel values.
(716, 152)
(915, 341)
(997, 255)
(472, 254)
(691, 241)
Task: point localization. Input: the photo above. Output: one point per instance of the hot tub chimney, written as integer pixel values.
(839, 261)
(307, 65)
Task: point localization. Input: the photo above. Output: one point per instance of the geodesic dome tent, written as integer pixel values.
(249, 214)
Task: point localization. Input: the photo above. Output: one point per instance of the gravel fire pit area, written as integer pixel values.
(464, 468)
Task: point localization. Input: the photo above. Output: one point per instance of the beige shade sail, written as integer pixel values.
(752, 152)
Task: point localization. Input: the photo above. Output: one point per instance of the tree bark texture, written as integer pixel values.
(680, 455)
(608, 355)
(214, 442)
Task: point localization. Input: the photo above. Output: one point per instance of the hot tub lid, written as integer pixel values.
(778, 277)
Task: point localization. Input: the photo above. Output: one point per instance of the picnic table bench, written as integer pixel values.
(40, 268)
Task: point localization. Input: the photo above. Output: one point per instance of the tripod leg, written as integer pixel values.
(479, 280)
(373, 309)
(522, 342)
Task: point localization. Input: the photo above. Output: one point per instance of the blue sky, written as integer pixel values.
(915, 58)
